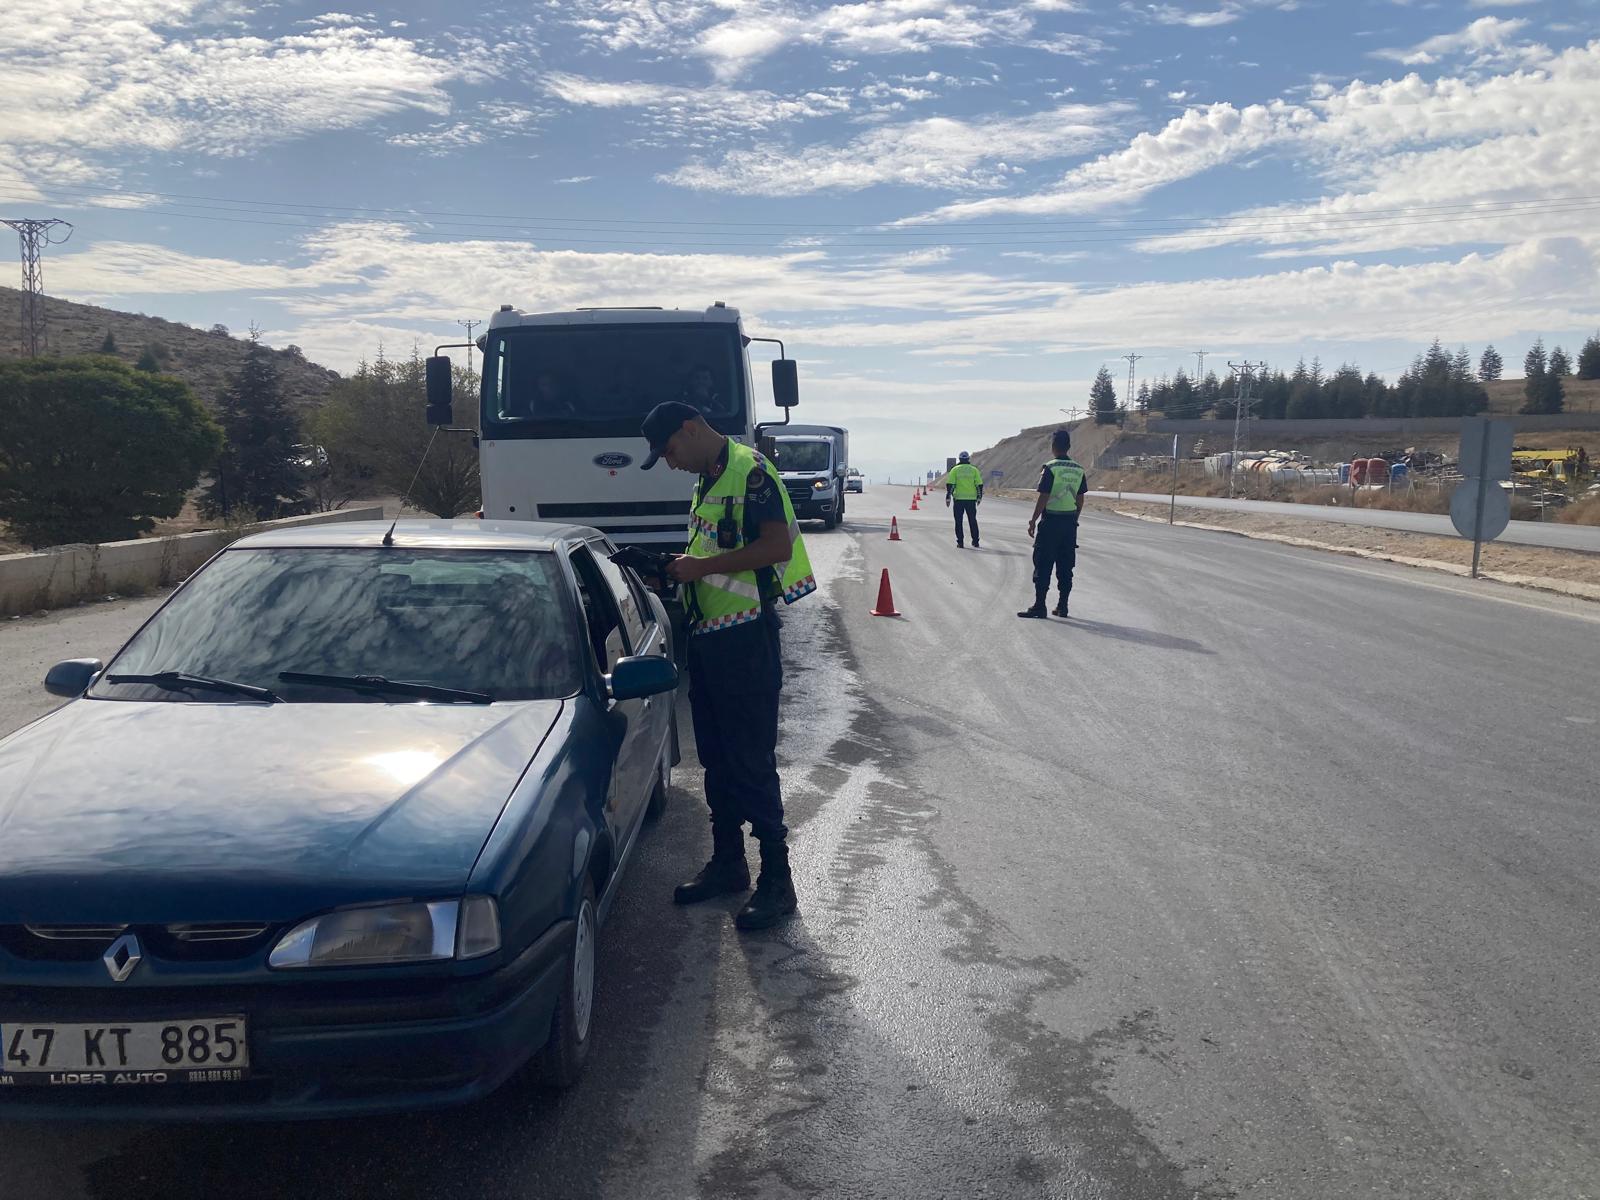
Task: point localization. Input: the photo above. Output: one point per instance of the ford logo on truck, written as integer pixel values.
(612, 459)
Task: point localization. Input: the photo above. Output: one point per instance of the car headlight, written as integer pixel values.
(392, 933)
(820, 485)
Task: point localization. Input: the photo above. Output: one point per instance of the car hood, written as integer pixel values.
(148, 812)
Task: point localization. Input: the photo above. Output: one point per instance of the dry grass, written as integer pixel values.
(1582, 512)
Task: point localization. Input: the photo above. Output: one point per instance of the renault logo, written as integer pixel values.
(123, 956)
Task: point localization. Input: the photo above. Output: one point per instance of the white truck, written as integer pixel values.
(814, 462)
(564, 394)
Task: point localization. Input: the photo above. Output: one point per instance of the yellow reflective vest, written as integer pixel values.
(723, 600)
(1066, 477)
(965, 481)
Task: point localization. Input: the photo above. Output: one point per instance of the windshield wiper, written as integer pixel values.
(182, 681)
(394, 687)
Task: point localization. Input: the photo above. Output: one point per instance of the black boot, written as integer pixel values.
(774, 897)
(1037, 611)
(726, 872)
(1061, 607)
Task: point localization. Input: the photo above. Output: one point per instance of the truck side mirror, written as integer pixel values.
(441, 409)
(785, 382)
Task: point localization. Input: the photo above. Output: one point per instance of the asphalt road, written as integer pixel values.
(1555, 534)
(1269, 874)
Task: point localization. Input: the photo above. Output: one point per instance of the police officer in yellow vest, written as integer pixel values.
(1062, 485)
(744, 554)
(964, 486)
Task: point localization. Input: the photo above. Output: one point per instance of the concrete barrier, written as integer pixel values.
(64, 575)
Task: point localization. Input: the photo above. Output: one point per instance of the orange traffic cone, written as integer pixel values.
(886, 606)
(913, 503)
(894, 529)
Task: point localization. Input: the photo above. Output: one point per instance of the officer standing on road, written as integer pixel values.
(1055, 517)
(964, 486)
(744, 554)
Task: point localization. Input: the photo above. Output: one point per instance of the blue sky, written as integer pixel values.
(953, 212)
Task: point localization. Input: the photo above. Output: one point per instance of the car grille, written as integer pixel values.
(180, 942)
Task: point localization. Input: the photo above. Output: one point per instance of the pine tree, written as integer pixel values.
(1589, 358)
(1103, 399)
(1542, 392)
(1143, 400)
(109, 346)
(1490, 364)
(1560, 364)
(148, 360)
(258, 471)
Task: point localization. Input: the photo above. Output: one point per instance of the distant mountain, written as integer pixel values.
(201, 358)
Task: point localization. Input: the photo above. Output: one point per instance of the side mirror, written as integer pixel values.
(441, 408)
(785, 382)
(73, 677)
(767, 445)
(841, 471)
(641, 675)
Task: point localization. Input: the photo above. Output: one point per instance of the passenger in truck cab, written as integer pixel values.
(700, 390)
(550, 398)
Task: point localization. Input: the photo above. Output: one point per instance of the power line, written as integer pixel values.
(35, 235)
(1488, 207)
(436, 228)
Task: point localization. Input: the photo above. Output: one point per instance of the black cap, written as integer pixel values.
(663, 421)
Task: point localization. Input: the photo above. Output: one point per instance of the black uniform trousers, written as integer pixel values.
(735, 677)
(1055, 548)
(970, 507)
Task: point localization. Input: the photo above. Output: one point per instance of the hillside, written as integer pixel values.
(201, 359)
(1021, 455)
(1505, 395)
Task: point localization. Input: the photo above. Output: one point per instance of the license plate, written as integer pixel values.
(199, 1050)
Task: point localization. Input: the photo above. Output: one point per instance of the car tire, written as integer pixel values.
(658, 794)
(572, 1027)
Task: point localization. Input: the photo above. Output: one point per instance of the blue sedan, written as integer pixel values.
(335, 832)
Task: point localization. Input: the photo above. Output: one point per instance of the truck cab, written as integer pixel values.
(563, 396)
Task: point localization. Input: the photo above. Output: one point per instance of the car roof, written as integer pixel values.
(463, 533)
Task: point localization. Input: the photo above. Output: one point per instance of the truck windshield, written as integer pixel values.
(802, 456)
(565, 381)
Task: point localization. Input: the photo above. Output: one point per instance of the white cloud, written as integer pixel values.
(575, 179)
(734, 35)
(155, 75)
(937, 152)
(1488, 40)
(1459, 138)
(1168, 14)
(680, 111)
(1196, 141)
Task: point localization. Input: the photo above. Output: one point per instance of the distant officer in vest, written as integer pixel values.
(964, 486)
(1054, 526)
(744, 554)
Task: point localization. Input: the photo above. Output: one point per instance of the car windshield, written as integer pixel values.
(487, 621)
(802, 456)
(600, 381)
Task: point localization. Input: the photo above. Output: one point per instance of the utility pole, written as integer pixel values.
(1199, 365)
(1243, 377)
(470, 326)
(35, 235)
(1127, 405)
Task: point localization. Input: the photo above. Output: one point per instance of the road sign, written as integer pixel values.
(1464, 510)
(1485, 449)
(996, 473)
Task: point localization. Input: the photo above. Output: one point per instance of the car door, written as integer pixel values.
(645, 636)
(608, 641)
